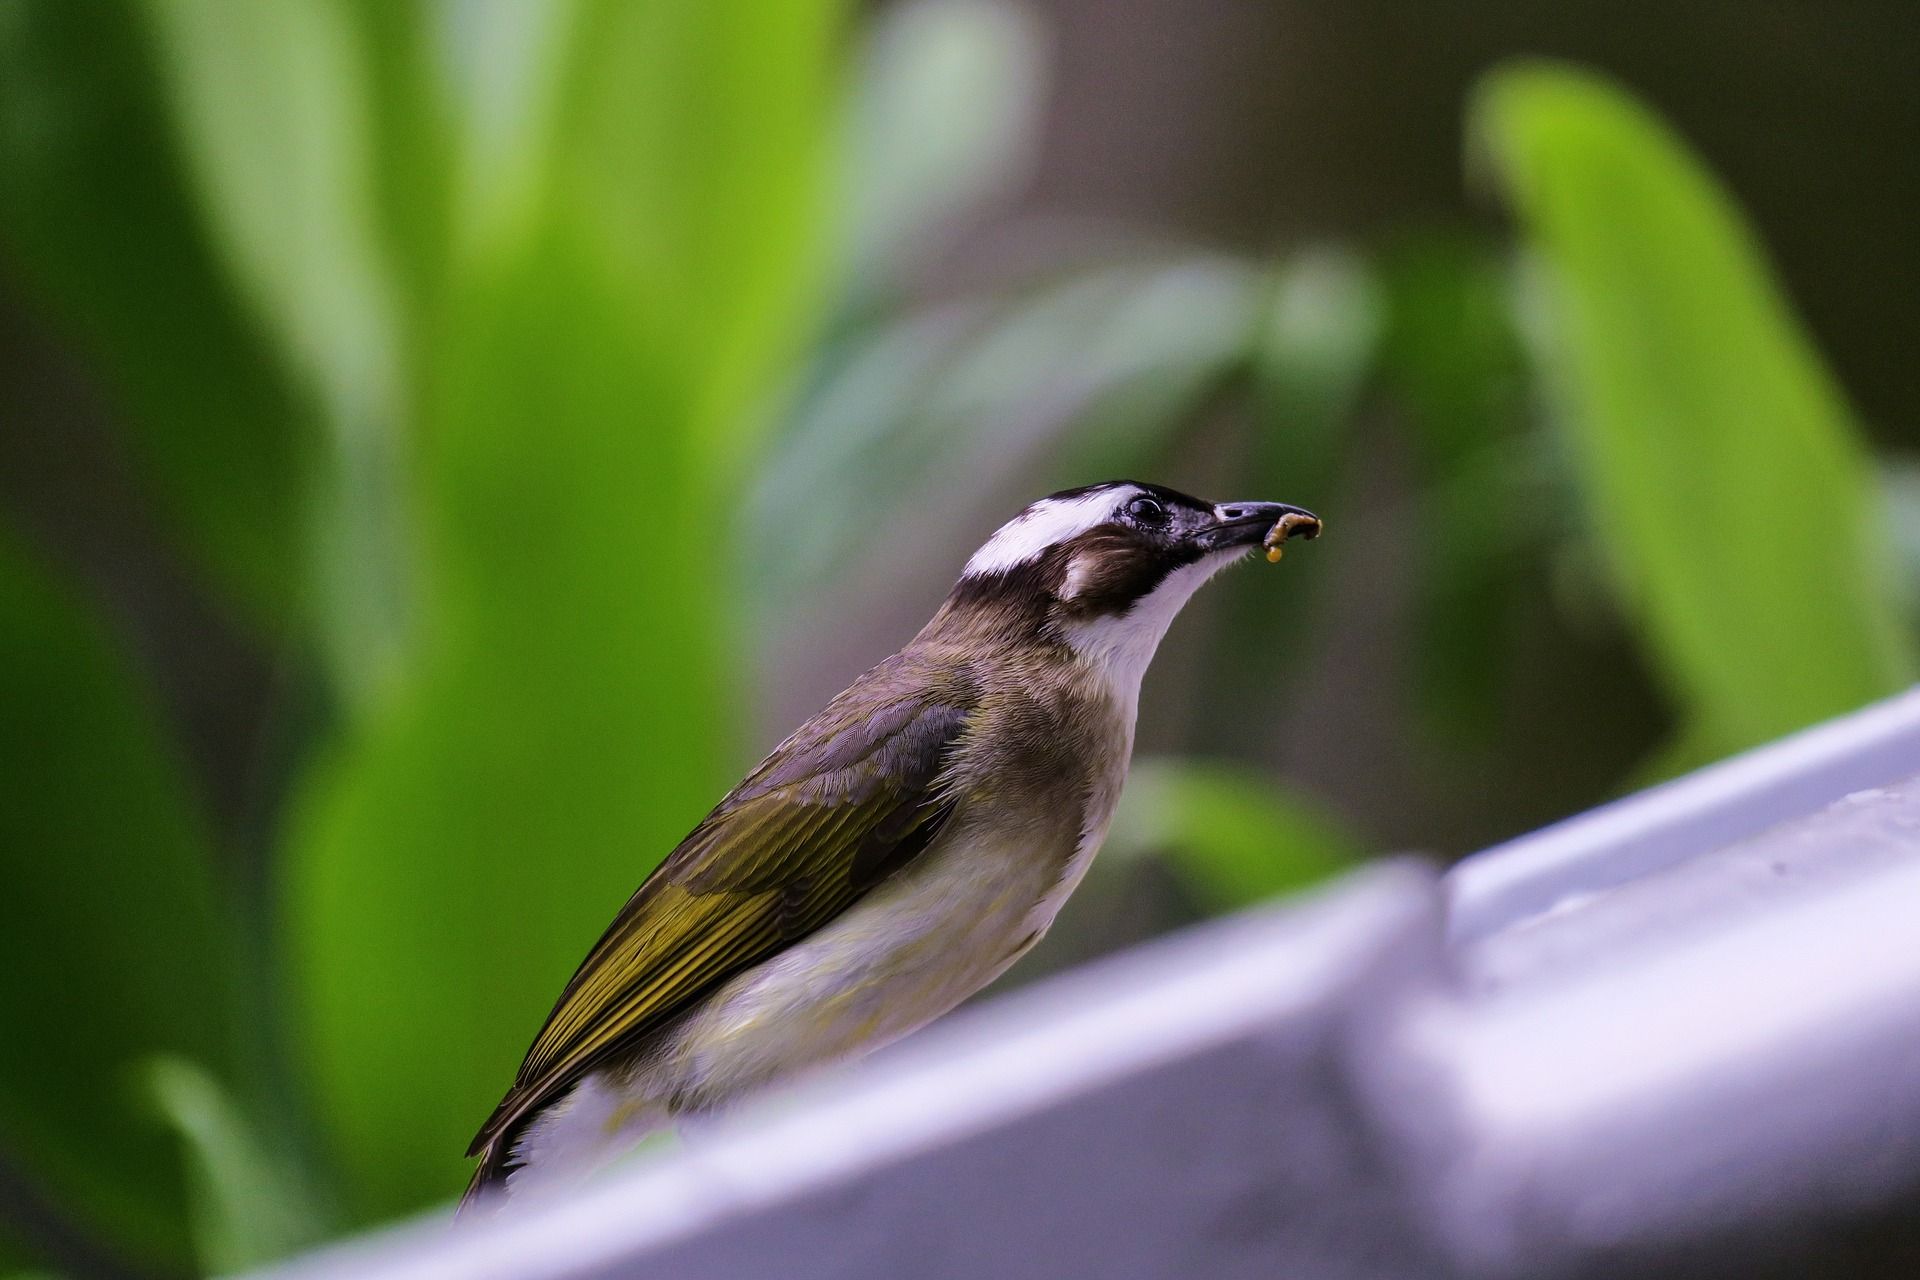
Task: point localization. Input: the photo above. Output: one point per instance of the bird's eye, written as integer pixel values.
(1148, 511)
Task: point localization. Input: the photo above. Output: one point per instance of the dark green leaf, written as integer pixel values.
(272, 108)
(1313, 345)
(115, 944)
(1489, 487)
(98, 221)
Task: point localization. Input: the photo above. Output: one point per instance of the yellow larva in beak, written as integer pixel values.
(1293, 524)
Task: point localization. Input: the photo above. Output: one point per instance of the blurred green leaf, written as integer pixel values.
(271, 106)
(689, 147)
(1233, 836)
(1089, 376)
(944, 118)
(1488, 481)
(248, 1207)
(98, 221)
(1176, 337)
(405, 55)
(1724, 474)
(1312, 345)
(568, 706)
(116, 944)
(1900, 484)
(16, 1262)
(1449, 349)
(1316, 344)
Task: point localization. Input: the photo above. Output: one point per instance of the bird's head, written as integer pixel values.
(1106, 567)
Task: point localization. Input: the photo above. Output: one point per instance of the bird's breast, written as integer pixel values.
(913, 948)
(1034, 793)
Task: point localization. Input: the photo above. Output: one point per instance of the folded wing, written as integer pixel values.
(846, 801)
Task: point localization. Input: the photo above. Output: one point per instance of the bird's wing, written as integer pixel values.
(852, 796)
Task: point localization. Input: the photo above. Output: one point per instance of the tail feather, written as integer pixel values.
(489, 1179)
(563, 1143)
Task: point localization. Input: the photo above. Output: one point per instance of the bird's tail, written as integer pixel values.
(489, 1179)
(586, 1131)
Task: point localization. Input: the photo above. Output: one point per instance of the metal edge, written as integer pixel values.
(1669, 823)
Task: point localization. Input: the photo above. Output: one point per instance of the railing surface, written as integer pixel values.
(1677, 1035)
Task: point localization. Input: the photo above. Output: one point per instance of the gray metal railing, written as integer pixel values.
(1679, 1034)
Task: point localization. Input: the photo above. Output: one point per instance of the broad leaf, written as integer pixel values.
(271, 109)
(567, 706)
(1725, 477)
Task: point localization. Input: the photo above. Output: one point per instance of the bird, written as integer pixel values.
(894, 855)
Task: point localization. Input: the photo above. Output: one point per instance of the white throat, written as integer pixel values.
(1118, 648)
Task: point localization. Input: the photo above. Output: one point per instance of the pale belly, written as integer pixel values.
(905, 954)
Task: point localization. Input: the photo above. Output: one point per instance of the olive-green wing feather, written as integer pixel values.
(857, 792)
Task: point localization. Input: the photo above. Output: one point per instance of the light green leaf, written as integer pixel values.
(249, 1205)
(1724, 475)
(116, 943)
(1232, 835)
(690, 145)
(567, 707)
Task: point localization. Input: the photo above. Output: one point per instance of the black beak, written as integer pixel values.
(1253, 524)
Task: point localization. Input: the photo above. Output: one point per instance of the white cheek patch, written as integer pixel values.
(1079, 570)
(1046, 523)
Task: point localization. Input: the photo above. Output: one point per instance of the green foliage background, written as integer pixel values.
(444, 349)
